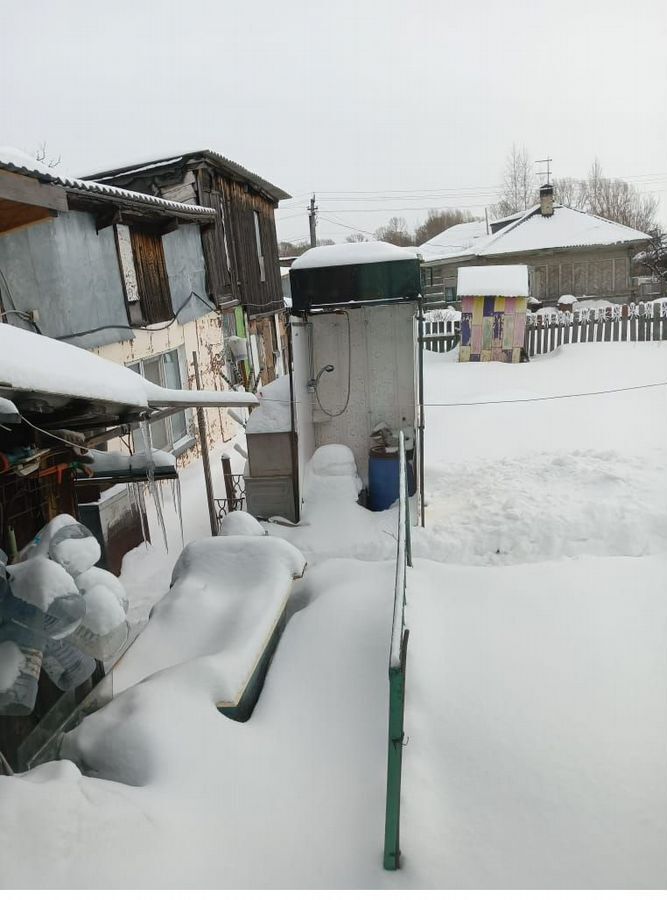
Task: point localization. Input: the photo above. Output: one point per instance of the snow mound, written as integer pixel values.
(40, 581)
(239, 522)
(274, 412)
(333, 460)
(97, 576)
(496, 281)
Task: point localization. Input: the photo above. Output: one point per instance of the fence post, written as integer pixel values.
(392, 851)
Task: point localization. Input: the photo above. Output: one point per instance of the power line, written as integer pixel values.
(636, 387)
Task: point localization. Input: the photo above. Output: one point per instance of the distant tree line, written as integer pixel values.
(611, 198)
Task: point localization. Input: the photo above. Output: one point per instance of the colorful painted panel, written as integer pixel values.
(492, 328)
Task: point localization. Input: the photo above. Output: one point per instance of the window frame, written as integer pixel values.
(184, 442)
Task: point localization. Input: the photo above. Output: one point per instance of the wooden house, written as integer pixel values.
(569, 252)
(240, 246)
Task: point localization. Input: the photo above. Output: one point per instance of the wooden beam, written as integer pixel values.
(169, 226)
(19, 215)
(107, 218)
(22, 189)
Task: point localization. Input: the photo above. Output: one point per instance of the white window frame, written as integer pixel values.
(186, 440)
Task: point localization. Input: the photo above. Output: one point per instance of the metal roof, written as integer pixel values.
(216, 159)
(20, 163)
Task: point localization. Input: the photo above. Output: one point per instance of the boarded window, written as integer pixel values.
(151, 272)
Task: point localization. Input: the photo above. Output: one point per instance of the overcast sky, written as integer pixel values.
(380, 107)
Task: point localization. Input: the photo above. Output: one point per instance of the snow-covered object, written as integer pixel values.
(353, 255)
(96, 576)
(34, 363)
(39, 545)
(566, 299)
(333, 460)
(40, 581)
(239, 522)
(104, 461)
(104, 628)
(496, 281)
(274, 413)
(74, 548)
(226, 597)
(8, 411)
(20, 665)
(66, 665)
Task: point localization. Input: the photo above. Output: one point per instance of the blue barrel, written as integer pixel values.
(383, 479)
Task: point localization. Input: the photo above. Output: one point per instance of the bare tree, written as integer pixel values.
(356, 238)
(395, 232)
(41, 154)
(438, 220)
(519, 189)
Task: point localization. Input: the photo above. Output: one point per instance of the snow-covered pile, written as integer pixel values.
(274, 412)
(238, 522)
(353, 254)
(106, 461)
(497, 281)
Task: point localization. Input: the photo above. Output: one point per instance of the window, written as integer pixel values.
(172, 432)
(144, 270)
(450, 294)
(258, 242)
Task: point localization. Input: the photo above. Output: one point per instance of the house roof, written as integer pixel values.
(50, 380)
(216, 159)
(458, 240)
(531, 231)
(13, 160)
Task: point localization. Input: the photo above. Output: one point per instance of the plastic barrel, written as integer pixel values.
(383, 479)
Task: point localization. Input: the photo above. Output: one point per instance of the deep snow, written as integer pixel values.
(535, 697)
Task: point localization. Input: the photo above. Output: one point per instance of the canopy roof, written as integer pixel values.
(50, 380)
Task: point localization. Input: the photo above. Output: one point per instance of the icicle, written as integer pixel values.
(152, 487)
(178, 509)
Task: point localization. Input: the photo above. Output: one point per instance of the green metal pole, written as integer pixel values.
(392, 852)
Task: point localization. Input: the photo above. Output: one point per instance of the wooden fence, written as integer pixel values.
(441, 334)
(634, 322)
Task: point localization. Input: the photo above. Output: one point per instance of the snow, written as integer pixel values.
(32, 362)
(8, 410)
(105, 461)
(96, 576)
(353, 255)
(274, 413)
(458, 240)
(103, 611)
(565, 228)
(530, 231)
(239, 522)
(11, 662)
(498, 281)
(227, 592)
(40, 581)
(75, 553)
(535, 690)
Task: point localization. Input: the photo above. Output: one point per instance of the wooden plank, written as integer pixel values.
(633, 328)
(18, 215)
(641, 324)
(22, 189)
(599, 325)
(575, 327)
(624, 322)
(656, 322)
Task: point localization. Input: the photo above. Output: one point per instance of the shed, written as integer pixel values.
(494, 302)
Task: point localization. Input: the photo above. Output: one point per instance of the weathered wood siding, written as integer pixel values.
(603, 273)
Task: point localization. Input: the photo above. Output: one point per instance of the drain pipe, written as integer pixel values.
(420, 345)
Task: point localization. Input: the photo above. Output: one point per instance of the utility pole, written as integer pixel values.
(312, 221)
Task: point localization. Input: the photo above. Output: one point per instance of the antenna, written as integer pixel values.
(548, 161)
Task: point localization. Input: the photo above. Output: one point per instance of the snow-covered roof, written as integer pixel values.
(353, 255)
(565, 228)
(216, 159)
(529, 232)
(455, 241)
(14, 160)
(33, 364)
(496, 281)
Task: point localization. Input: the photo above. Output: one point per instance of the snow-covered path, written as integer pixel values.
(536, 676)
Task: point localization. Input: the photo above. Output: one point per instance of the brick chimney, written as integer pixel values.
(547, 200)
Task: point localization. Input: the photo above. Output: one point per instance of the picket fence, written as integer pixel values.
(629, 322)
(545, 331)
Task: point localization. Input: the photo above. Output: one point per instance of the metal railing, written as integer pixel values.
(397, 666)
